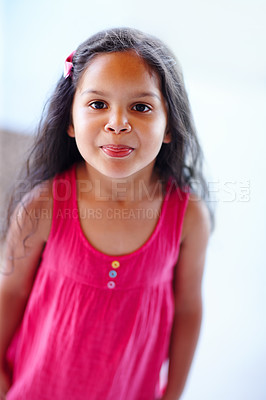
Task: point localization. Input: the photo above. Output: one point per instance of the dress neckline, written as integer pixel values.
(85, 240)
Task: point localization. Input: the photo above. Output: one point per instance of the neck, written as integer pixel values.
(137, 187)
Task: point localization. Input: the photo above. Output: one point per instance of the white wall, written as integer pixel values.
(221, 47)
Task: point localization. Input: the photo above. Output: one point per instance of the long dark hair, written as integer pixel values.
(54, 151)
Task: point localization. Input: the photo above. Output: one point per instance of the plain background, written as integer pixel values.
(221, 47)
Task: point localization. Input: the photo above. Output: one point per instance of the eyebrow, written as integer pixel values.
(135, 95)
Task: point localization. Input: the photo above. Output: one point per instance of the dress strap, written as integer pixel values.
(175, 212)
(64, 199)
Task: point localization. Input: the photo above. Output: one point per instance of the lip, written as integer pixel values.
(117, 151)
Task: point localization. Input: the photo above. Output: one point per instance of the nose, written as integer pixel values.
(118, 123)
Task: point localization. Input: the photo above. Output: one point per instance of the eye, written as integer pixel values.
(141, 108)
(98, 105)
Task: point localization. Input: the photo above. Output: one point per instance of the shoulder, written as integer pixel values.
(191, 260)
(197, 219)
(26, 238)
(34, 212)
(190, 265)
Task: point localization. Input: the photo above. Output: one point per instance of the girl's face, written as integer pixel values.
(119, 115)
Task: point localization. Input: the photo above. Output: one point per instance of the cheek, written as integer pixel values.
(155, 126)
(85, 128)
(159, 130)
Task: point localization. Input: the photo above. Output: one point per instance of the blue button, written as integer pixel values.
(113, 274)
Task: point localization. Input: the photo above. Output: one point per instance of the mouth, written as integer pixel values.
(117, 151)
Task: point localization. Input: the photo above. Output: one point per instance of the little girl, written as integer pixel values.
(105, 249)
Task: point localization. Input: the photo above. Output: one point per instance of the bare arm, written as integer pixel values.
(20, 262)
(188, 301)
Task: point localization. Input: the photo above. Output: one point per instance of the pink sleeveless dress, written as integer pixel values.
(98, 327)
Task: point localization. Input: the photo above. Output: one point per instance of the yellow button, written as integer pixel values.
(115, 264)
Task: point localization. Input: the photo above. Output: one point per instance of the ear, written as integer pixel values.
(71, 131)
(167, 137)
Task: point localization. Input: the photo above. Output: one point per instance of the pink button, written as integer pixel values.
(110, 284)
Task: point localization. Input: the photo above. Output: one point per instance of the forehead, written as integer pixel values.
(120, 66)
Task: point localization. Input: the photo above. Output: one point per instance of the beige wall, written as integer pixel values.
(13, 149)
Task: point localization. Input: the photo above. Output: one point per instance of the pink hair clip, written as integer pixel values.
(68, 65)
